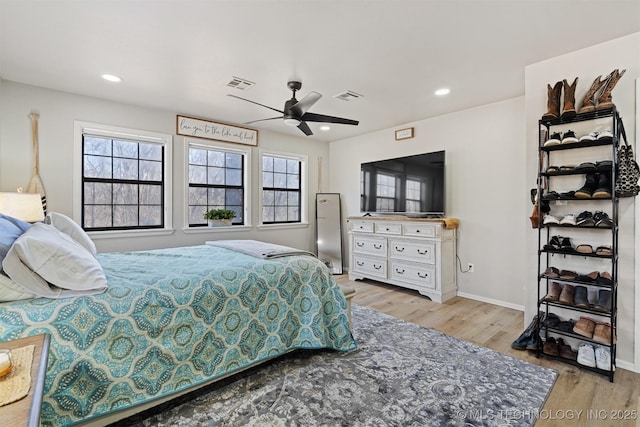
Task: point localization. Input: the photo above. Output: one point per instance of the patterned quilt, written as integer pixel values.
(172, 319)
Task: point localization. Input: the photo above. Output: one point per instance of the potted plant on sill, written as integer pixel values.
(219, 217)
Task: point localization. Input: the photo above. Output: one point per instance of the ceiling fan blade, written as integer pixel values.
(262, 120)
(305, 128)
(257, 103)
(312, 117)
(305, 103)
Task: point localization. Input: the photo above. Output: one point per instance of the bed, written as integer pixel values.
(172, 320)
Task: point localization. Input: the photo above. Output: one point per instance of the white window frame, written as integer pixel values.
(304, 202)
(246, 151)
(79, 128)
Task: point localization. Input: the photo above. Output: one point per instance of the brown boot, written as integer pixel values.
(569, 108)
(588, 104)
(553, 101)
(605, 98)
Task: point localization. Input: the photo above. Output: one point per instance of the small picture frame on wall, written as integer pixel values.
(404, 134)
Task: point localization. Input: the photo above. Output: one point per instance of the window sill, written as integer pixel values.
(200, 230)
(282, 226)
(119, 234)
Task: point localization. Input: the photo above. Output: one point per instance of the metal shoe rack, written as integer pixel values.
(547, 257)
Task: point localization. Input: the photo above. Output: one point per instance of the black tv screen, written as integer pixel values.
(411, 185)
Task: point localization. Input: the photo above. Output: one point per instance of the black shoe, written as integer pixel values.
(603, 190)
(565, 245)
(602, 219)
(554, 244)
(580, 298)
(551, 321)
(585, 219)
(586, 192)
(604, 301)
(566, 325)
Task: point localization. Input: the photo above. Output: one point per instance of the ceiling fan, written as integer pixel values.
(295, 112)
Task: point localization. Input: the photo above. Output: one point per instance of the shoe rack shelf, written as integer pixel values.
(548, 256)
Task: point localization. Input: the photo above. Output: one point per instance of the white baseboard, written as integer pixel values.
(492, 301)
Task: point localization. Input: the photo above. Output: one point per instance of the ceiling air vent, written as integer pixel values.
(240, 83)
(348, 96)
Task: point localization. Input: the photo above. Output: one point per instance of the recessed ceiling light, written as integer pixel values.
(325, 128)
(442, 92)
(111, 78)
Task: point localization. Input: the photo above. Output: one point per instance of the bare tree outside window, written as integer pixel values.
(216, 181)
(281, 190)
(122, 184)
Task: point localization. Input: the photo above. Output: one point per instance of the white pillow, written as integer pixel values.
(68, 226)
(11, 291)
(56, 258)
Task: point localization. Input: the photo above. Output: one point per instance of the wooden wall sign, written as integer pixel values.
(207, 129)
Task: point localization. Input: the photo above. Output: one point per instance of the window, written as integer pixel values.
(217, 178)
(413, 192)
(124, 176)
(385, 192)
(282, 189)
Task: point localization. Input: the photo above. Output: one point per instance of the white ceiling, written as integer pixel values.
(179, 55)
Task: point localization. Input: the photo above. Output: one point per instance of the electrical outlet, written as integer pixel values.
(470, 268)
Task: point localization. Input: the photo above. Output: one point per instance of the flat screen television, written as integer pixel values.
(410, 185)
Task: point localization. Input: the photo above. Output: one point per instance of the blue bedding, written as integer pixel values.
(172, 319)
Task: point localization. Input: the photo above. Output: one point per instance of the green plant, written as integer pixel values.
(219, 214)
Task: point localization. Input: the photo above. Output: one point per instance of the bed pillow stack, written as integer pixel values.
(10, 229)
(55, 259)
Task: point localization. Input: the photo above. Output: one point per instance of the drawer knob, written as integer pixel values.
(399, 249)
(360, 244)
(378, 246)
(386, 229)
(422, 252)
(423, 276)
(360, 263)
(417, 231)
(377, 267)
(400, 271)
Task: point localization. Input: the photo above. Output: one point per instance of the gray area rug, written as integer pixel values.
(401, 375)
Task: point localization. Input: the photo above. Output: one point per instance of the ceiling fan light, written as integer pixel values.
(291, 122)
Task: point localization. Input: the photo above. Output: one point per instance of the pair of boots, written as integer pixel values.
(553, 100)
(589, 101)
(529, 339)
(604, 100)
(596, 186)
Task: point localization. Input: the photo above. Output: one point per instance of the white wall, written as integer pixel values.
(485, 189)
(587, 64)
(58, 111)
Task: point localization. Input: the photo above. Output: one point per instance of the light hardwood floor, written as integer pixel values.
(579, 397)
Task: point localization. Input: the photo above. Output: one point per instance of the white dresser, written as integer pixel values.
(413, 253)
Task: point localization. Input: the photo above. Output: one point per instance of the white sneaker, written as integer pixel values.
(586, 355)
(589, 137)
(603, 358)
(550, 219)
(605, 134)
(569, 219)
(569, 137)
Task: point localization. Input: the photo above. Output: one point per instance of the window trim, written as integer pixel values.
(81, 127)
(304, 193)
(246, 151)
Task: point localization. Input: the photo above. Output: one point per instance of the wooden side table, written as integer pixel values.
(26, 411)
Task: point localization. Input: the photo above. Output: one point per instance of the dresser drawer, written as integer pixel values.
(420, 230)
(423, 276)
(362, 226)
(370, 267)
(388, 228)
(370, 245)
(413, 250)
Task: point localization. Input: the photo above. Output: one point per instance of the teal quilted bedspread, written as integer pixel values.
(172, 319)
